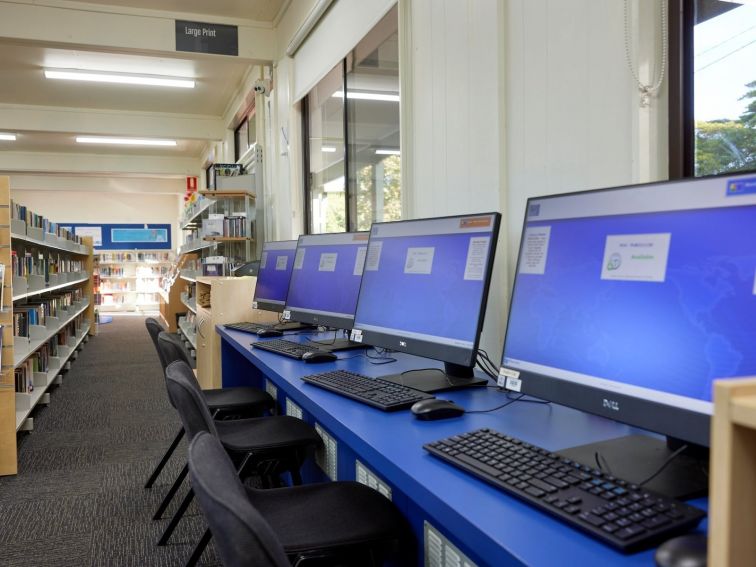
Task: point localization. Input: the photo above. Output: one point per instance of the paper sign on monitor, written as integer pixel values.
(359, 261)
(754, 284)
(373, 259)
(477, 252)
(263, 260)
(535, 248)
(419, 260)
(299, 258)
(328, 262)
(281, 262)
(636, 257)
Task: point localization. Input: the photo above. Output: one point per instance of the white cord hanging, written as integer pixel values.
(647, 90)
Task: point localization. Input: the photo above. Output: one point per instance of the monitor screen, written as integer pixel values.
(425, 285)
(629, 302)
(276, 261)
(326, 278)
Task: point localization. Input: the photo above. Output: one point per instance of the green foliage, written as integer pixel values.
(749, 116)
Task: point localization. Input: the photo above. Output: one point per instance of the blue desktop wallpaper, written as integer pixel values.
(273, 284)
(675, 336)
(336, 291)
(442, 304)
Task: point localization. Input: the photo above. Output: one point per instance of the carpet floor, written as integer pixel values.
(78, 498)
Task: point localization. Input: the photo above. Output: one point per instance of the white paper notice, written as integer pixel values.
(419, 260)
(636, 257)
(327, 262)
(263, 260)
(475, 267)
(281, 262)
(299, 258)
(535, 249)
(359, 261)
(373, 259)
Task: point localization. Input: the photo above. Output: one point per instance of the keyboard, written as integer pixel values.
(249, 327)
(286, 348)
(375, 392)
(618, 513)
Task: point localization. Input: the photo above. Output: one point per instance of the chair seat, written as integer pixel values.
(266, 434)
(239, 398)
(328, 515)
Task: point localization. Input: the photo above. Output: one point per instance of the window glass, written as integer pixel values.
(325, 129)
(724, 80)
(241, 141)
(372, 81)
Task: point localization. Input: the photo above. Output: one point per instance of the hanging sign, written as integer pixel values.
(199, 37)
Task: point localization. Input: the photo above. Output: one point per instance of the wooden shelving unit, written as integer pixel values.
(137, 283)
(8, 460)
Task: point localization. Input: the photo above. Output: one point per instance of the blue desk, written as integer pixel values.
(488, 526)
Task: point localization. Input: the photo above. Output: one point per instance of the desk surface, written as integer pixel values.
(485, 519)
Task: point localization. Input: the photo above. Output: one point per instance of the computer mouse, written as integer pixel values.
(263, 333)
(683, 551)
(436, 408)
(319, 356)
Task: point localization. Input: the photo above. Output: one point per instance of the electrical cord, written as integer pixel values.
(663, 466)
(509, 402)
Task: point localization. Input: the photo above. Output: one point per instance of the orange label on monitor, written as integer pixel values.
(475, 222)
(361, 237)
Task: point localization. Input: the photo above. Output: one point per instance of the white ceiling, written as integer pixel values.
(259, 10)
(66, 143)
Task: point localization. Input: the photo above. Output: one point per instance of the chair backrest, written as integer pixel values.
(154, 328)
(172, 349)
(242, 536)
(186, 396)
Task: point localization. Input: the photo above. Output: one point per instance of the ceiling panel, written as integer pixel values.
(259, 10)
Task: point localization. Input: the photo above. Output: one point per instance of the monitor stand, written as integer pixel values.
(635, 457)
(337, 345)
(452, 377)
(293, 326)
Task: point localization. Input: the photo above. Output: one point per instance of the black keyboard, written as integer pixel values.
(249, 327)
(616, 512)
(375, 392)
(286, 348)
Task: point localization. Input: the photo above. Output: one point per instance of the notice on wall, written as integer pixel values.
(200, 37)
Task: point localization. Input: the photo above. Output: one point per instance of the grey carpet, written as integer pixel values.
(78, 498)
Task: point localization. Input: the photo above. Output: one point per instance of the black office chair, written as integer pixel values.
(336, 523)
(266, 446)
(225, 403)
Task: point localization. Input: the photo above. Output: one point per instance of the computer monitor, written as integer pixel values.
(424, 291)
(629, 302)
(276, 262)
(325, 282)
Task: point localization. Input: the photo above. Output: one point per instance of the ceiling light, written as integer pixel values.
(124, 141)
(8, 137)
(328, 149)
(367, 96)
(386, 152)
(120, 78)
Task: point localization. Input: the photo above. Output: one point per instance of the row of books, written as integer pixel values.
(111, 257)
(40, 360)
(21, 212)
(43, 264)
(110, 271)
(38, 312)
(234, 225)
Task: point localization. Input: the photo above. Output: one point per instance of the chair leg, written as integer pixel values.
(169, 496)
(176, 518)
(201, 545)
(164, 460)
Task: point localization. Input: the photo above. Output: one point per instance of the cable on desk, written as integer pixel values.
(382, 357)
(511, 401)
(327, 342)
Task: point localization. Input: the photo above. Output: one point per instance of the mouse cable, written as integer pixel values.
(382, 357)
(524, 398)
(509, 402)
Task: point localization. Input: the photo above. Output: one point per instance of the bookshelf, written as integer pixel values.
(47, 314)
(130, 280)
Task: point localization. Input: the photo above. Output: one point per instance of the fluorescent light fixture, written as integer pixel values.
(386, 152)
(328, 149)
(7, 137)
(367, 96)
(119, 78)
(124, 141)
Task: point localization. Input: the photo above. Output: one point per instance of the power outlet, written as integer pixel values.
(365, 476)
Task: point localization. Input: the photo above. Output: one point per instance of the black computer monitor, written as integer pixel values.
(276, 262)
(424, 291)
(629, 302)
(325, 282)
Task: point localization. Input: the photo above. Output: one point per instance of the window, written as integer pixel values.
(210, 177)
(713, 44)
(245, 135)
(352, 155)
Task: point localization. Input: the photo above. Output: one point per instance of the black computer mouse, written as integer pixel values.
(269, 333)
(319, 356)
(435, 408)
(683, 551)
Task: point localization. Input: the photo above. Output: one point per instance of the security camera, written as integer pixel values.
(262, 86)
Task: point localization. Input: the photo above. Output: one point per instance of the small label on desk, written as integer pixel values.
(254, 305)
(509, 379)
(356, 335)
(286, 315)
